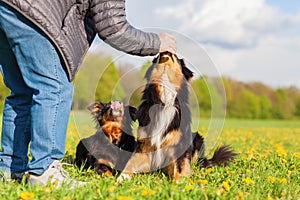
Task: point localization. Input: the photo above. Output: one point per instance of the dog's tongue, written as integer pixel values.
(116, 105)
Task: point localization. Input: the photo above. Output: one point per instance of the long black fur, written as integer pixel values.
(222, 156)
(182, 118)
(93, 148)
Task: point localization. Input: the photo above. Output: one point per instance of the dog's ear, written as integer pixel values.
(188, 74)
(96, 108)
(132, 112)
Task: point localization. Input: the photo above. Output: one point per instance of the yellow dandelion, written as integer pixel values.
(282, 180)
(48, 189)
(252, 150)
(189, 187)
(143, 187)
(268, 151)
(283, 160)
(240, 195)
(271, 179)
(226, 186)
(249, 134)
(111, 189)
(55, 182)
(253, 157)
(292, 167)
(151, 192)
(209, 170)
(248, 181)
(157, 188)
(144, 193)
(269, 198)
(202, 182)
(283, 194)
(124, 198)
(67, 198)
(245, 158)
(174, 187)
(231, 172)
(264, 155)
(26, 195)
(280, 151)
(148, 192)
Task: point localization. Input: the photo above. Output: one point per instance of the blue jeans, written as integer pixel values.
(37, 110)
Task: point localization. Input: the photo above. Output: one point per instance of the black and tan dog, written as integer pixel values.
(109, 149)
(165, 139)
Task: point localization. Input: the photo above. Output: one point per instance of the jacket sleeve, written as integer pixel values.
(112, 27)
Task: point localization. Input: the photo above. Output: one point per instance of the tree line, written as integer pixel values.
(99, 79)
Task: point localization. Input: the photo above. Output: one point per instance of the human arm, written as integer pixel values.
(113, 28)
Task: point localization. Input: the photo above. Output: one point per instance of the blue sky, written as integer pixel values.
(249, 40)
(288, 6)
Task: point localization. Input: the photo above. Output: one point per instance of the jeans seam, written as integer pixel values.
(59, 99)
(27, 128)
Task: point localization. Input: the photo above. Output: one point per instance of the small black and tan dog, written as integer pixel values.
(109, 149)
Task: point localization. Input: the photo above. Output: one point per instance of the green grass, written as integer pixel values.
(268, 167)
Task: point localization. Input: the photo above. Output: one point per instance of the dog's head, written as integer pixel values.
(113, 111)
(173, 63)
(167, 74)
(107, 112)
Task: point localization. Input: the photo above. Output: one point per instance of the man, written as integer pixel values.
(42, 44)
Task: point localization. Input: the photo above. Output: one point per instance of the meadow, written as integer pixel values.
(267, 167)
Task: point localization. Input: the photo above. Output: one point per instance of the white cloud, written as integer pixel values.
(235, 22)
(272, 61)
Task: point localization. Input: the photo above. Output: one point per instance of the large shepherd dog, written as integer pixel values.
(164, 137)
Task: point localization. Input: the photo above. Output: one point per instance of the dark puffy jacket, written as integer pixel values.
(73, 24)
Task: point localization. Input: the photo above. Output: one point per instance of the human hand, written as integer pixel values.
(168, 43)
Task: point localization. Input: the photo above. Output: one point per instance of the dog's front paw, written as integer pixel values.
(123, 177)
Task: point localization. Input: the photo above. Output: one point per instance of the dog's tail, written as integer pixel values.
(222, 156)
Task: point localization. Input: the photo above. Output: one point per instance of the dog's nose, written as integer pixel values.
(116, 105)
(165, 57)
